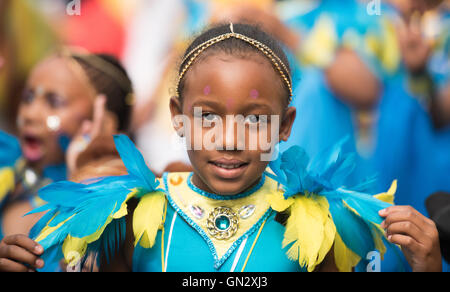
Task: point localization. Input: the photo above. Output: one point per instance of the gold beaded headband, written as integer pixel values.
(192, 56)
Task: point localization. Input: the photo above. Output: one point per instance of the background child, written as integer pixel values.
(67, 97)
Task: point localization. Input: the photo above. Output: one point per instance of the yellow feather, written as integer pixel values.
(329, 236)
(7, 182)
(345, 258)
(74, 249)
(377, 235)
(117, 215)
(388, 197)
(278, 202)
(123, 211)
(77, 246)
(147, 218)
(310, 229)
(47, 230)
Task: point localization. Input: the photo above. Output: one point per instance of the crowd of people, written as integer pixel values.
(361, 90)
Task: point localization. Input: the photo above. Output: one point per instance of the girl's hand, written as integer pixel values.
(89, 130)
(18, 253)
(416, 234)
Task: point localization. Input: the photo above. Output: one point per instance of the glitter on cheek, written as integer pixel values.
(53, 123)
(207, 90)
(254, 94)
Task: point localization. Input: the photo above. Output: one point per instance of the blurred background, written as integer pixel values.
(374, 71)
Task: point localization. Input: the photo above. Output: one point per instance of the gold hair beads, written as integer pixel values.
(276, 61)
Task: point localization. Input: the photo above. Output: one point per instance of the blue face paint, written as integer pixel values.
(64, 141)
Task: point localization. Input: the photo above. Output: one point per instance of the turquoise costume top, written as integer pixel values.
(178, 227)
(187, 245)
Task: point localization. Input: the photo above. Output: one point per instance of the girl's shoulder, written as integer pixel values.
(328, 213)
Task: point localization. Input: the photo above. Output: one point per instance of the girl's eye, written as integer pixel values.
(55, 101)
(254, 119)
(210, 117)
(27, 96)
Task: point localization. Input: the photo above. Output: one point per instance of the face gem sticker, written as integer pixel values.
(230, 103)
(39, 91)
(53, 123)
(207, 90)
(254, 94)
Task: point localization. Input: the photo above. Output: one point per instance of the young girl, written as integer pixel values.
(231, 213)
(58, 103)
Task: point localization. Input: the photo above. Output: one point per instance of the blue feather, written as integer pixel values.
(367, 185)
(326, 175)
(327, 157)
(87, 206)
(367, 206)
(34, 232)
(355, 233)
(109, 242)
(134, 162)
(81, 210)
(52, 258)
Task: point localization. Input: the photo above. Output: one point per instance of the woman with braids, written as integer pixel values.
(233, 212)
(69, 100)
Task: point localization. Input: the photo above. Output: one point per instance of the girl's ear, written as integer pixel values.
(176, 110)
(286, 124)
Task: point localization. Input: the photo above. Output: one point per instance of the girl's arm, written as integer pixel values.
(341, 75)
(13, 220)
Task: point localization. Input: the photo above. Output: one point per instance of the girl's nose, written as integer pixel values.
(234, 133)
(33, 113)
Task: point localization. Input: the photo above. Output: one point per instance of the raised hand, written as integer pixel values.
(416, 234)
(89, 130)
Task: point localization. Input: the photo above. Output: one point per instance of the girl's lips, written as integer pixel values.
(228, 169)
(32, 148)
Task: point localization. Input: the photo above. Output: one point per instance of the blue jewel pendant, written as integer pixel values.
(222, 223)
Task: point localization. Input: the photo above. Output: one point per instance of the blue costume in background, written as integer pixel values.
(9, 154)
(405, 145)
(13, 171)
